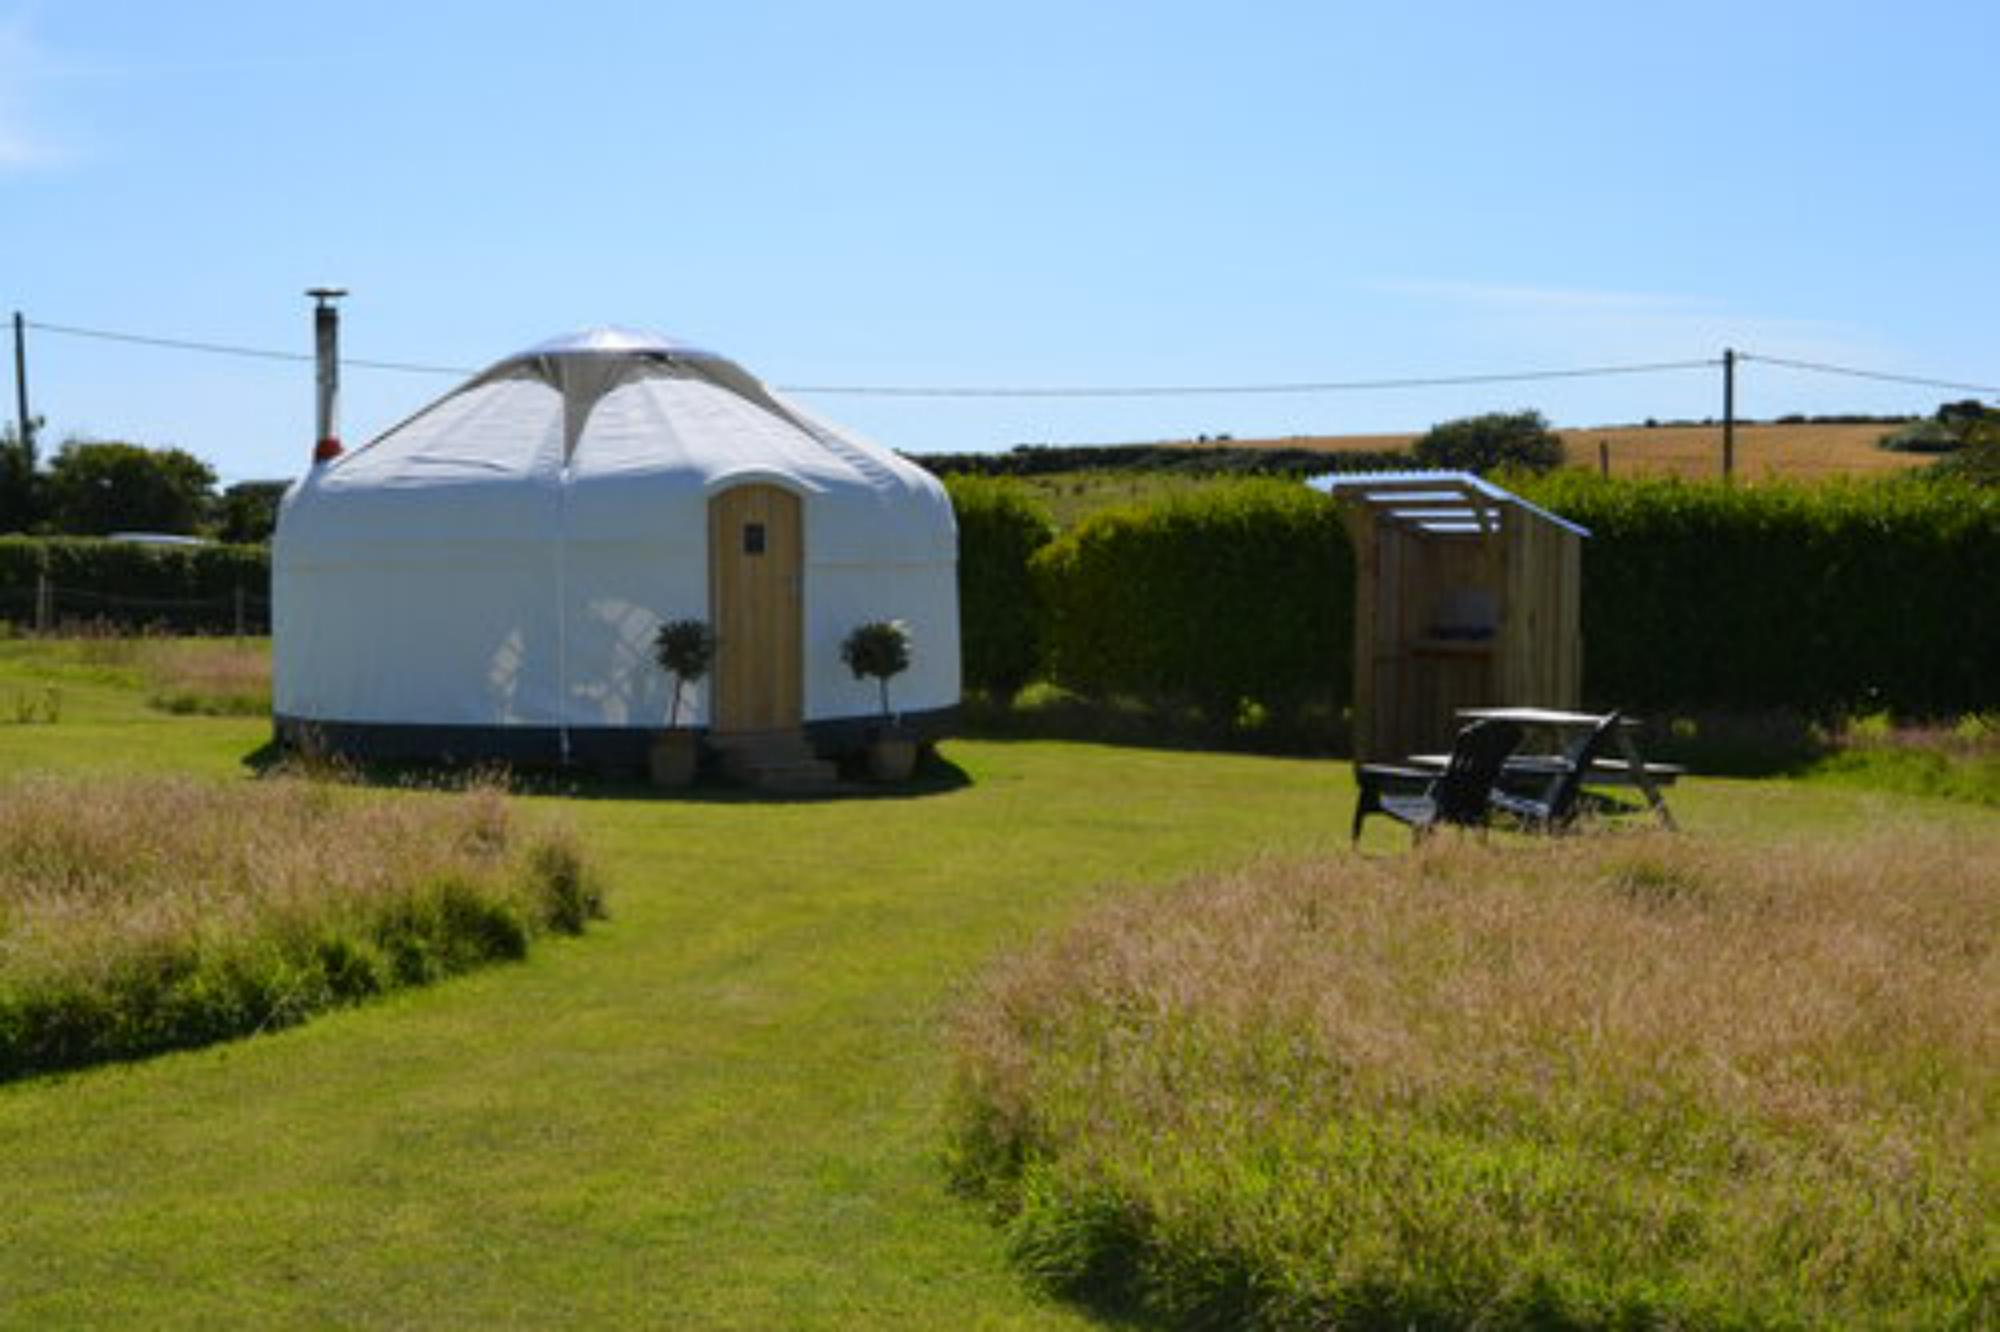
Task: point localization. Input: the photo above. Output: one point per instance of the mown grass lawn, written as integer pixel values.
(721, 1108)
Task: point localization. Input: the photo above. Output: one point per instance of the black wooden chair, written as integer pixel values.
(1458, 795)
(1556, 808)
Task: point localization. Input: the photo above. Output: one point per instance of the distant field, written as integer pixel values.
(1801, 451)
(1763, 452)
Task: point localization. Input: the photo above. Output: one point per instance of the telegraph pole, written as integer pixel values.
(23, 423)
(1728, 413)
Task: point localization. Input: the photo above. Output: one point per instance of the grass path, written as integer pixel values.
(721, 1109)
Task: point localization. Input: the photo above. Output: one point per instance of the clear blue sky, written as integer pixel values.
(1017, 194)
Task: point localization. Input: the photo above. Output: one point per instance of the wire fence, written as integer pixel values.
(47, 607)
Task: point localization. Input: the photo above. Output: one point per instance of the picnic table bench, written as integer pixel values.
(1569, 732)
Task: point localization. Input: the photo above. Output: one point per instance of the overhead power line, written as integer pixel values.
(944, 391)
(1820, 367)
(1209, 390)
(1295, 388)
(226, 349)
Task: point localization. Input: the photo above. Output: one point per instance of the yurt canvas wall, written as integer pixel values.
(486, 578)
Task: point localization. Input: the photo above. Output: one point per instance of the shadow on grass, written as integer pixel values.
(1044, 712)
(1779, 743)
(935, 775)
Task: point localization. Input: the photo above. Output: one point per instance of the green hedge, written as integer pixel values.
(1000, 527)
(1239, 592)
(1826, 598)
(180, 589)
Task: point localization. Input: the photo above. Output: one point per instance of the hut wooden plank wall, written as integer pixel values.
(1466, 596)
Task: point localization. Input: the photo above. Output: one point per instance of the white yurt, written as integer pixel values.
(485, 579)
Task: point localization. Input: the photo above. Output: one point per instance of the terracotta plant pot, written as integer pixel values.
(892, 758)
(673, 758)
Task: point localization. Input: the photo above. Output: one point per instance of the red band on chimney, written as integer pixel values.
(326, 450)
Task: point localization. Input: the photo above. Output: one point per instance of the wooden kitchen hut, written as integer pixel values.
(1466, 595)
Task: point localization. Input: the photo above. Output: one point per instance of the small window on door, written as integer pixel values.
(753, 538)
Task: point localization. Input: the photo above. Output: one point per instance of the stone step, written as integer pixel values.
(812, 775)
(773, 760)
(790, 742)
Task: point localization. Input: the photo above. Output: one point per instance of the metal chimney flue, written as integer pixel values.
(326, 350)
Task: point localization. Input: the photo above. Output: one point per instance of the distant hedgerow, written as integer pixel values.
(170, 589)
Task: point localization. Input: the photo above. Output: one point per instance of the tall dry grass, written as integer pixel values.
(1622, 1081)
(139, 914)
(211, 676)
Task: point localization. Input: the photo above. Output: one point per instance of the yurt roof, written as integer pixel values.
(589, 432)
(610, 397)
(611, 341)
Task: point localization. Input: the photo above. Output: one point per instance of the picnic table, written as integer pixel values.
(1565, 733)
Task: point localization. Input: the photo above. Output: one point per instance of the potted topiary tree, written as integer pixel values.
(684, 649)
(880, 649)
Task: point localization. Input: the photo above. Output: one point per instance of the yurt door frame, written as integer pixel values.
(755, 580)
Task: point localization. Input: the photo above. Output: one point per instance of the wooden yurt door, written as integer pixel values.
(754, 571)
